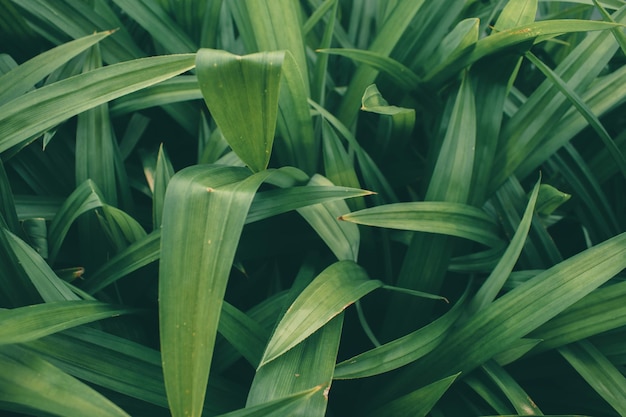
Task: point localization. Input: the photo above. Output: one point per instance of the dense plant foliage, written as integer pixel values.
(314, 208)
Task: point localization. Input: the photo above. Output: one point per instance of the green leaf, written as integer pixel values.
(85, 197)
(418, 403)
(341, 240)
(203, 215)
(31, 382)
(550, 199)
(331, 292)
(23, 77)
(493, 284)
(242, 93)
(32, 114)
(500, 41)
(386, 39)
(400, 351)
(151, 16)
(454, 219)
(28, 323)
(606, 379)
(163, 173)
(308, 364)
(522, 310)
(286, 406)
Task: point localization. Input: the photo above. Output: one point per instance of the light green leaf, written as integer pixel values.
(163, 173)
(242, 93)
(454, 219)
(331, 292)
(203, 215)
(31, 382)
(549, 199)
(23, 118)
(28, 323)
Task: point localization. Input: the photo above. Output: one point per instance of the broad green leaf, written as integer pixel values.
(331, 292)
(418, 403)
(242, 93)
(606, 379)
(31, 382)
(401, 351)
(308, 364)
(493, 284)
(454, 219)
(286, 406)
(203, 215)
(33, 113)
(23, 77)
(28, 323)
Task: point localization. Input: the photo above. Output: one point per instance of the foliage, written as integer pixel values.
(314, 208)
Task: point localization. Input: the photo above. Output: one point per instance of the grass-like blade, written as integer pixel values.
(23, 77)
(31, 322)
(418, 403)
(401, 351)
(331, 292)
(292, 405)
(34, 384)
(604, 377)
(35, 112)
(454, 219)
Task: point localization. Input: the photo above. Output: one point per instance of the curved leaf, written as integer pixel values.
(28, 323)
(331, 292)
(453, 219)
